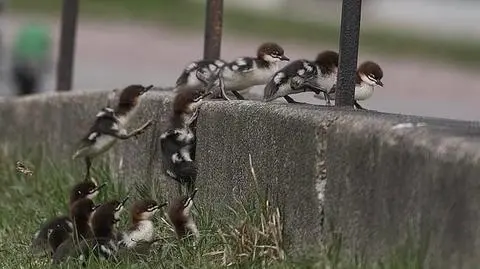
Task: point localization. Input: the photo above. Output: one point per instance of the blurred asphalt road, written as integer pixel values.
(115, 54)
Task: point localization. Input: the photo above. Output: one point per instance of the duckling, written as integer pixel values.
(245, 72)
(198, 74)
(180, 217)
(110, 125)
(368, 76)
(139, 236)
(179, 141)
(80, 216)
(61, 227)
(302, 75)
(104, 243)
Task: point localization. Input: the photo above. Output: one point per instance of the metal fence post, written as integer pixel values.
(349, 40)
(213, 29)
(67, 45)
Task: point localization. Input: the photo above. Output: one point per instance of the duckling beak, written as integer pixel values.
(99, 187)
(153, 208)
(379, 83)
(163, 205)
(284, 58)
(146, 89)
(206, 94)
(122, 203)
(202, 96)
(193, 193)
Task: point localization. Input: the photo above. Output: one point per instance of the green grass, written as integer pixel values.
(187, 15)
(249, 236)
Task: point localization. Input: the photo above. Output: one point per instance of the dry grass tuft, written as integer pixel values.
(257, 236)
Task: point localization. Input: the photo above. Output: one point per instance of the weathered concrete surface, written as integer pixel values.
(374, 183)
(287, 146)
(386, 183)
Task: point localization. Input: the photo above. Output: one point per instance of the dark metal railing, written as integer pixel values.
(213, 29)
(349, 41)
(67, 45)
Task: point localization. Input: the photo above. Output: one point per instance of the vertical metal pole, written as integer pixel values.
(213, 29)
(67, 45)
(349, 40)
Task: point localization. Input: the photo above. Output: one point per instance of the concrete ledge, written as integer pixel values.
(365, 175)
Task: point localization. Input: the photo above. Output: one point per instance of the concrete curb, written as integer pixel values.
(372, 177)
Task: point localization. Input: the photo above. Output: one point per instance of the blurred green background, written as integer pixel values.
(189, 15)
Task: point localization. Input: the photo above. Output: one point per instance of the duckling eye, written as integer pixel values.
(79, 192)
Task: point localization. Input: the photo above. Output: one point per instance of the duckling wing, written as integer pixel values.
(105, 125)
(280, 83)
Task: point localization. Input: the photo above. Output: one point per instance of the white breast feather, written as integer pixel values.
(363, 91)
(327, 82)
(185, 153)
(185, 135)
(102, 144)
(123, 120)
(144, 232)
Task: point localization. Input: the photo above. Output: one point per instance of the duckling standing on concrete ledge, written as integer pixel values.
(246, 72)
(110, 125)
(179, 141)
(302, 75)
(369, 75)
(139, 236)
(179, 214)
(198, 75)
(104, 243)
(62, 227)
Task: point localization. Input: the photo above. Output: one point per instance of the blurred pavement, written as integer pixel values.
(114, 54)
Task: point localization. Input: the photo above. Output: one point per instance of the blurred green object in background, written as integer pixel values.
(32, 42)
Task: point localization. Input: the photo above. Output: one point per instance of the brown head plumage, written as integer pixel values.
(271, 52)
(327, 61)
(106, 216)
(144, 209)
(179, 215)
(129, 98)
(85, 189)
(80, 214)
(370, 73)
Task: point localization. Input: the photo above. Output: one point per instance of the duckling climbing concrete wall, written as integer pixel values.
(364, 175)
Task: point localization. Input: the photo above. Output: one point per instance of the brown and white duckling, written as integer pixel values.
(368, 76)
(180, 216)
(198, 75)
(303, 75)
(80, 215)
(104, 241)
(61, 227)
(245, 72)
(178, 143)
(141, 232)
(110, 126)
